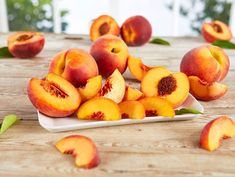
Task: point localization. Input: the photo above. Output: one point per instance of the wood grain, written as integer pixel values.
(156, 149)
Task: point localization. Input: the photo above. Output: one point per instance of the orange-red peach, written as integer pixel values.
(110, 53)
(53, 96)
(25, 44)
(102, 25)
(132, 110)
(82, 148)
(75, 65)
(132, 94)
(216, 30)
(136, 31)
(216, 130)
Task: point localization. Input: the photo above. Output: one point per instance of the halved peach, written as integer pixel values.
(216, 130)
(91, 88)
(132, 109)
(205, 91)
(99, 108)
(174, 87)
(53, 96)
(132, 94)
(26, 44)
(82, 148)
(114, 87)
(155, 106)
(137, 68)
(102, 25)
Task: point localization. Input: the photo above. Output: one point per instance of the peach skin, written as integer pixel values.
(75, 65)
(99, 108)
(82, 148)
(102, 25)
(136, 31)
(160, 82)
(137, 68)
(155, 106)
(26, 44)
(132, 109)
(216, 30)
(216, 130)
(53, 96)
(204, 91)
(110, 53)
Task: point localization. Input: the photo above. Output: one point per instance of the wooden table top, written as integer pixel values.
(165, 149)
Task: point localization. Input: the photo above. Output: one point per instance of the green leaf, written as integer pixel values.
(187, 111)
(224, 44)
(159, 41)
(7, 122)
(4, 53)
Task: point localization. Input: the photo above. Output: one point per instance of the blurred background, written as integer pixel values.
(168, 17)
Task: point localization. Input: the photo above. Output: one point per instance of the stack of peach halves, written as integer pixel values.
(74, 85)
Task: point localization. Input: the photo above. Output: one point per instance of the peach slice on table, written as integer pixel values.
(204, 91)
(82, 148)
(216, 130)
(75, 65)
(102, 25)
(99, 108)
(114, 87)
(53, 96)
(216, 30)
(91, 88)
(26, 44)
(132, 109)
(174, 87)
(132, 94)
(137, 68)
(155, 106)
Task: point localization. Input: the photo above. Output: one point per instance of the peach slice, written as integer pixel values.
(53, 96)
(204, 91)
(155, 106)
(82, 148)
(99, 108)
(132, 110)
(174, 87)
(132, 94)
(216, 30)
(216, 130)
(137, 68)
(91, 88)
(26, 44)
(102, 25)
(114, 87)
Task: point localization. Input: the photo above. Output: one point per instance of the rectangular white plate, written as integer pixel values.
(72, 123)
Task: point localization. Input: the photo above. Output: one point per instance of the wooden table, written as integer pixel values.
(165, 149)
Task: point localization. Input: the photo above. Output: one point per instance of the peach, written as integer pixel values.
(209, 63)
(82, 148)
(174, 87)
(102, 25)
(137, 68)
(99, 108)
(75, 65)
(114, 87)
(91, 88)
(216, 130)
(132, 94)
(216, 30)
(26, 44)
(53, 96)
(132, 110)
(136, 31)
(204, 91)
(110, 53)
(155, 106)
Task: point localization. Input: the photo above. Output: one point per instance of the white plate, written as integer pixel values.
(72, 123)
